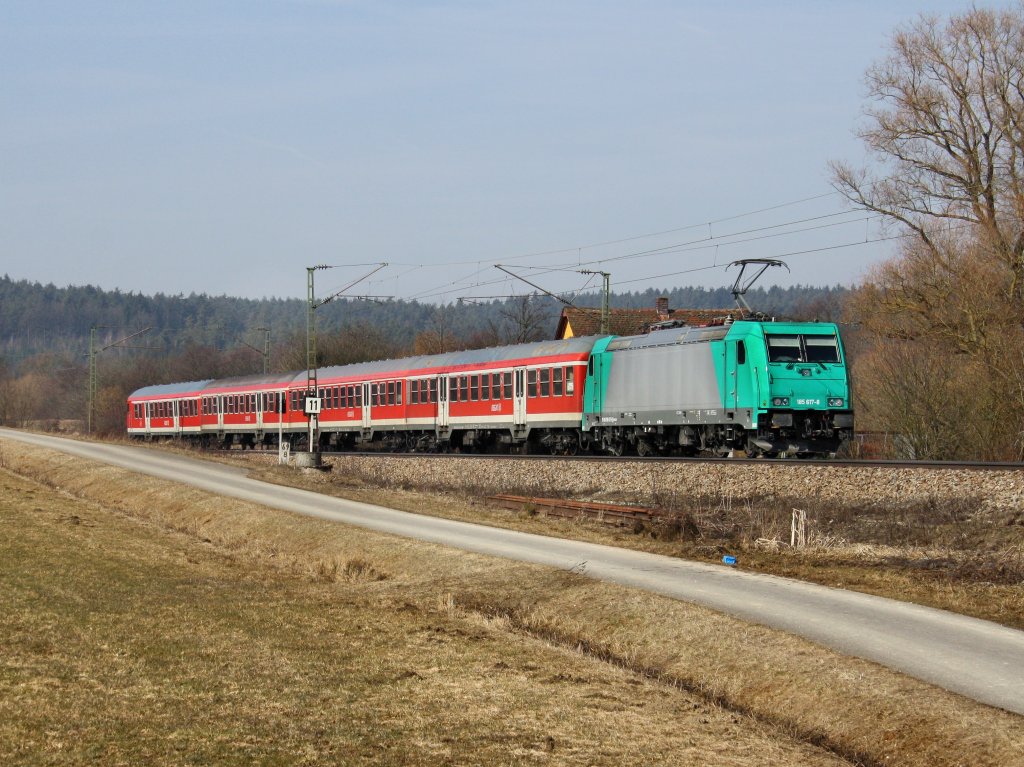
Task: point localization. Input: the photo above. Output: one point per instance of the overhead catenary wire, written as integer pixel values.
(676, 248)
(474, 279)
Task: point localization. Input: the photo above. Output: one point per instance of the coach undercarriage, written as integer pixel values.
(780, 435)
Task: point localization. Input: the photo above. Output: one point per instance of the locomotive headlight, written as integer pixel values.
(835, 402)
(780, 401)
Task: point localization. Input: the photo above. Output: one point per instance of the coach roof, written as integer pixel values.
(472, 357)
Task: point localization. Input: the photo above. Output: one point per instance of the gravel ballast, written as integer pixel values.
(655, 483)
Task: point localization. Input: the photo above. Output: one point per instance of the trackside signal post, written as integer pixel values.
(311, 400)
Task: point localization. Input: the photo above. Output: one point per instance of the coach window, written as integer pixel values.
(507, 386)
(570, 385)
(391, 392)
(432, 392)
(474, 388)
(495, 385)
(531, 383)
(399, 385)
(545, 382)
(556, 382)
(414, 392)
(485, 386)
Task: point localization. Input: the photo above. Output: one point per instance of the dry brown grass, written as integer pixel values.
(122, 644)
(280, 632)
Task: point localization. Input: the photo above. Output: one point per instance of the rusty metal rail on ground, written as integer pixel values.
(609, 513)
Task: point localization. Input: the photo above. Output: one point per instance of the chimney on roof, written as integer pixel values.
(662, 308)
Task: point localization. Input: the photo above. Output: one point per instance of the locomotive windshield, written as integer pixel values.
(802, 348)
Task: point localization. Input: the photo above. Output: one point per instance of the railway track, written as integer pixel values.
(791, 462)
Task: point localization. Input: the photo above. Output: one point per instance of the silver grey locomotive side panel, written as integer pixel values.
(660, 381)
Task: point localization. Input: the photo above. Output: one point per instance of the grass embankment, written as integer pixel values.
(155, 623)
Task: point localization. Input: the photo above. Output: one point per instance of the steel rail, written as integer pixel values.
(855, 463)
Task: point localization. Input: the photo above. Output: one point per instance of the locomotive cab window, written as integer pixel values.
(821, 348)
(783, 348)
(741, 353)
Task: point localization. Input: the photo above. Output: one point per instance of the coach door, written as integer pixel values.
(519, 398)
(366, 406)
(442, 418)
(178, 404)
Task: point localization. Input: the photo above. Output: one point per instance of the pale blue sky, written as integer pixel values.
(222, 147)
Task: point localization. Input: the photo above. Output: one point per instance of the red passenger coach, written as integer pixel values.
(171, 410)
(528, 394)
(472, 400)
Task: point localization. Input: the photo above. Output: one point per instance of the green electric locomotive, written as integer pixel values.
(759, 388)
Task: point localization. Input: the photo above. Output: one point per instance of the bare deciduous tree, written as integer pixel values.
(946, 125)
(526, 320)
